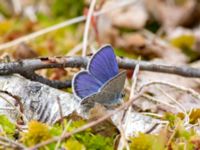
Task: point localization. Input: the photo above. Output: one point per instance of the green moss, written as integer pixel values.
(67, 8)
(186, 43)
(7, 126)
(73, 144)
(37, 132)
(147, 142)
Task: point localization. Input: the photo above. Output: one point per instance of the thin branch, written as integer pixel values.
(152, 114)
(181, 88)
(63, 133)
(60, 111)
(53, 83)
(158, 67)
(183, 110)
(27, 67)
(18, 101)
(13, 143)
(132, 93)
(187, 118)
(151, 98)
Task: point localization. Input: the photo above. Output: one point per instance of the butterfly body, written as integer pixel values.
(101, 82)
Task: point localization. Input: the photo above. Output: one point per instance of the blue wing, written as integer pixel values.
(84, 84)
(103, 65)
(110, 93)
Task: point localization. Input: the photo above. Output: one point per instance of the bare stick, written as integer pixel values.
(53, 83)
(11, 142)
(16, 98)
(27, 67)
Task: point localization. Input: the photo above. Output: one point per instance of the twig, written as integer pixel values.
(123, 143)
(152, 128)
(18, 101)
(17, 6)
(187, 117)
(158, 67)
(63, 133)
(134, 80)
(89, 125)
(4, 144)
(132, 93)
(53, 83)
(61, 25)
(87, 26)
(183, 110)
(127, 111)
(60, 111)
(11, 142)
(152, 114)
(7, 108)
(27, 67)
(187, 90)
(172, 135)
(151, 98)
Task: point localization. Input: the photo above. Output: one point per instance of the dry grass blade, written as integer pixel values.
(64, 131)
(151, 98)
(87, 27)
(187, 118)
(13, 143)
(125, 116)
(13, 106)
(60, 25)
(181, 88)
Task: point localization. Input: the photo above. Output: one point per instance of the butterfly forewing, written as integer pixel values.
(103, 65)
(84, 84)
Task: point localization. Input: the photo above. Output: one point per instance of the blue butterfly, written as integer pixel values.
(101, 82)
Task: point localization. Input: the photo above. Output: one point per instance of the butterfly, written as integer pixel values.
(101, 82)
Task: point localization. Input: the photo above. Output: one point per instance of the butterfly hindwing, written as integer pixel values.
(103, 65)
(84, 84)
(116, 84)
(110, 93)
(103, 97)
